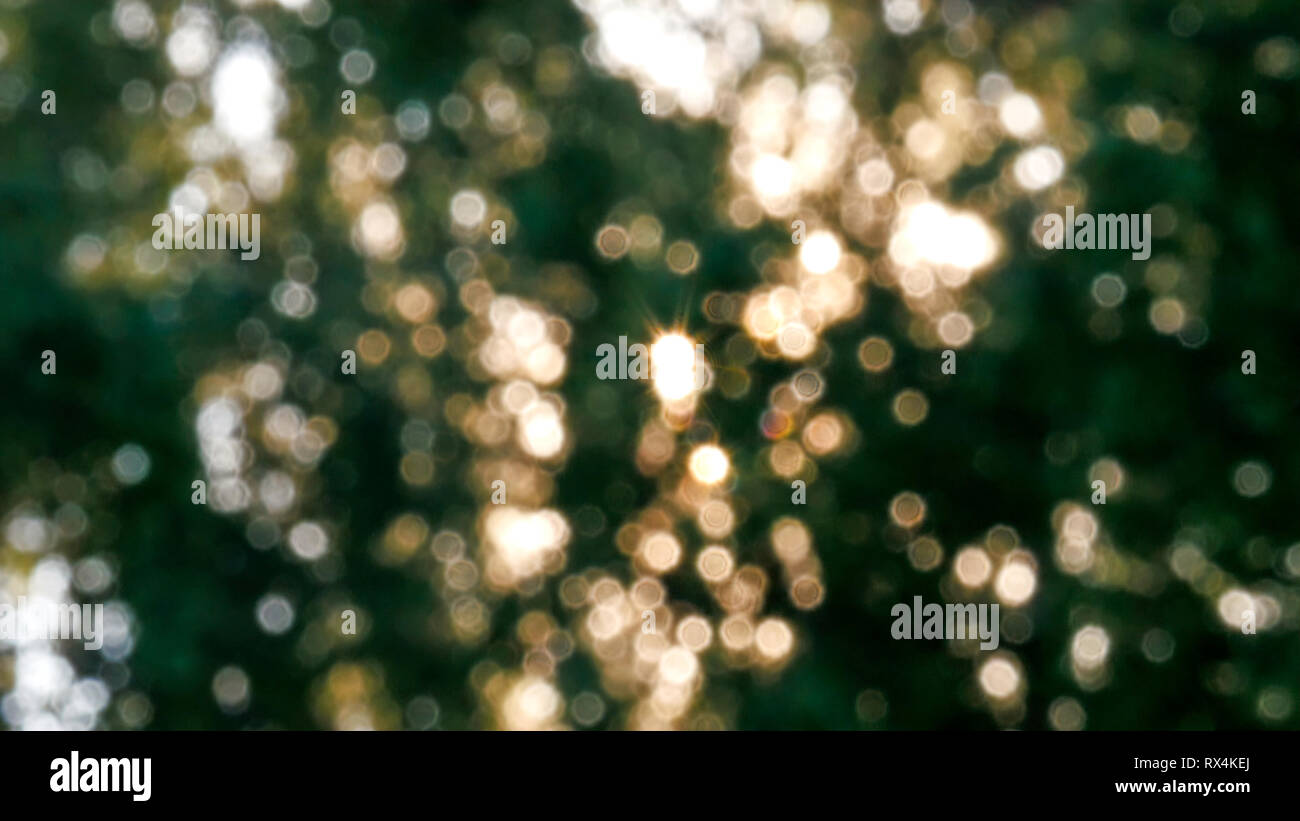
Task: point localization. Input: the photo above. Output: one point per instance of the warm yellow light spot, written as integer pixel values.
(999, 678)
(405, 536)
(820, 252)
(715, 564)
(925, 139)
(925, 553)
(1020, 115)
(907, 509)
(1167, 315)
(791, 540)
(973, 566)
(1233, 606)
(807, 592)
(1080, 526)
(917, 283)
(930, 232)
(875, 177)
(876, 354)
(774, 639)
(709, 464)
(911, 407)
(1066, 713)
(605, 622)
(1090, 647)
(1142, 123)
(1074, 545)
(796, 340)
(773, 176)
(737, 632)
(760, 319)
(716, 519)
(524, 543)
(612, 241)
(678, 666)
(373, 345)
(648, 592)
(647, 233)
(661, 551)
(541, 430)
(695, 633)
(1016, 581)
(414, 302)
(786, 458)
(1109, 472)
(682, 257)
(955, 329)
(417, 468)
(824, 433)
(428, 340)
(532, 703)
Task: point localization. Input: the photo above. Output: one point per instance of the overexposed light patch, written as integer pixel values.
(820, 252)
(709, 464)
(930, 232)
(1015, 583)
(826, 104)
(541, 430)
(699, 9)
(673, 367)
(532, 703)
(245, 94)
(1020, 115)
(773, 176)
(691, 53)
(809, 22)
(520, 343)
(524, 543)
